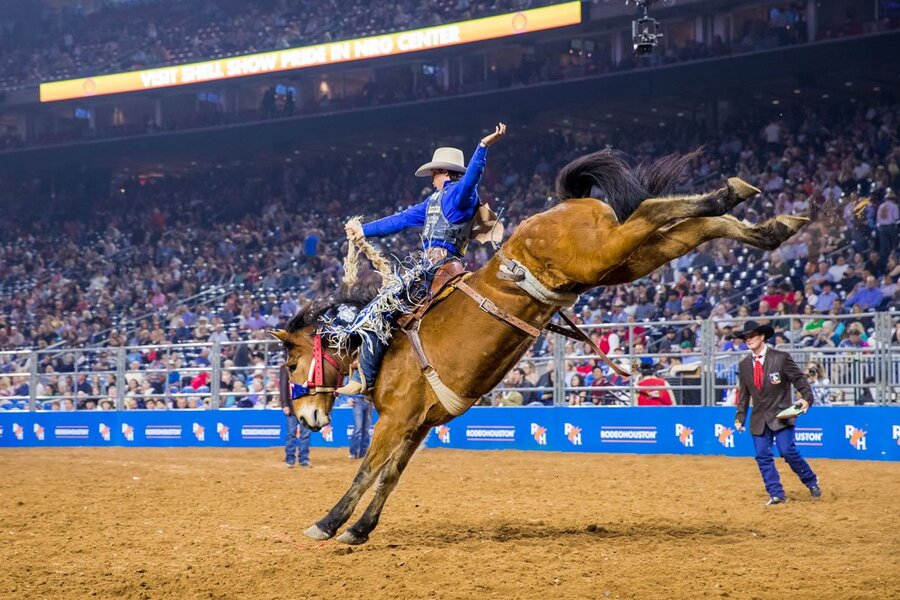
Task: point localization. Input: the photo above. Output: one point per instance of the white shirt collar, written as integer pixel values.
(762, 354)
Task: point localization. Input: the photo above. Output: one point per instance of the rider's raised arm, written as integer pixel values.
(414, 216)
(468, 183)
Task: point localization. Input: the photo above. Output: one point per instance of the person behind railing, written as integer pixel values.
(575, 397)
(545, 382)
(825, 338)
(819, 383)
(854, 338)
(648, 379)
(595, 378)
(868, 297)
(667, 343)
(510, 396)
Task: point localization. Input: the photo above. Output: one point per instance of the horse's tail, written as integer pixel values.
(660, 177)
(625, 187)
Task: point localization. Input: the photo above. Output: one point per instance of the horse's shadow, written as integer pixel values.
(513, 531)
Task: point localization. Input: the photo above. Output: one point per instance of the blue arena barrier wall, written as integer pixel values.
(868, 433)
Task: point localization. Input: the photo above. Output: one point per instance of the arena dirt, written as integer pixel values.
(218, 523)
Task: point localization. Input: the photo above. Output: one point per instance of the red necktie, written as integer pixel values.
(758, 372)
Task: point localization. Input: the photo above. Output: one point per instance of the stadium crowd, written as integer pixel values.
(70, 40)
(193, 259)
(130, 35)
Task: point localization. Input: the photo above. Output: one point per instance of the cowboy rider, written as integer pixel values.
(447, 215)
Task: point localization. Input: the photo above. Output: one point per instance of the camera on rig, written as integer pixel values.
(644, 29)
(645, 35)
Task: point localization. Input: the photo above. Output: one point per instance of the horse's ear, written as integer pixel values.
(280, 334)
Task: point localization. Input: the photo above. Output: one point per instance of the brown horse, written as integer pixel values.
(574, 246)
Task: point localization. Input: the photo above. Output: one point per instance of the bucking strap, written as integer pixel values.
(452, 402)
(488, 306)
(572, 332)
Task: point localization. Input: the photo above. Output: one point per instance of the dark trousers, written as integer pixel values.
(887, 242)
(362, 421)
(784, 439)
(297, 441)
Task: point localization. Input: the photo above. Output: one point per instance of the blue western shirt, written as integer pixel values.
(868, 298)
(459, 204)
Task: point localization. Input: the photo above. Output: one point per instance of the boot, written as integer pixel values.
(369, 364)
(354, 387)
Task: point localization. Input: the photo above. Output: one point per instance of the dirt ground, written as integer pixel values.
(225, 523)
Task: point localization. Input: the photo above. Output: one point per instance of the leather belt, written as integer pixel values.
(488, 306)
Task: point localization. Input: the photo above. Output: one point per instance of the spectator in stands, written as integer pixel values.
(868, 297)
(819, 383)
(575, 397)
(826, 298)
(854, 339)
(648, 379)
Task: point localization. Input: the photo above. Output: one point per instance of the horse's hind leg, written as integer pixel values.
(386, 439)
(619, 243)
(359, 532)
(679, 239)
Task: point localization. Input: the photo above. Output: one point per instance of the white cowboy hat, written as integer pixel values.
(451, 159)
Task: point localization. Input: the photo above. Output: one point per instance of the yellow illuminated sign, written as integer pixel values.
(464, 32)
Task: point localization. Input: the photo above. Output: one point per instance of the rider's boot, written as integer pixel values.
(369, 363)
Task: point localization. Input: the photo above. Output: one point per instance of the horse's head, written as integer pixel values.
(314, 372)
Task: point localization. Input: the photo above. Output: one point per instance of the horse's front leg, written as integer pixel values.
(679, 239)
(359, 532)
(386, 439)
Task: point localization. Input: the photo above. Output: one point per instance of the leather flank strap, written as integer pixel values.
(572, 332)
(488, 306)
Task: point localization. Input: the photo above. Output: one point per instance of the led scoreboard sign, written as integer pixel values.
(402, 42)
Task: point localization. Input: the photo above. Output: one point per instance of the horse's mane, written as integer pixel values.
(359, 295)
(625, 186)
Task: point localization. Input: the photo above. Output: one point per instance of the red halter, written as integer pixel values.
(315, 379)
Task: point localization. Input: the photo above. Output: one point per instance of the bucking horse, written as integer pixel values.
(466, 343)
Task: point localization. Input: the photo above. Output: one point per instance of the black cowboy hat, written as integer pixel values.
(753, 327)
(649, 368)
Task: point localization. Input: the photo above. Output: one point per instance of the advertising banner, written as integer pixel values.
(868, 433)
(391, 44)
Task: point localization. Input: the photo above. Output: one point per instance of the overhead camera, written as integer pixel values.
(644, 29)
(645, 35)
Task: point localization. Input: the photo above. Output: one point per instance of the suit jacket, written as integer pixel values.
(779, 373)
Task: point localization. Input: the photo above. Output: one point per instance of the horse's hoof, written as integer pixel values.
(792, 223)
(741, 190)
(348, 537)
(317, 534)
(770, 234)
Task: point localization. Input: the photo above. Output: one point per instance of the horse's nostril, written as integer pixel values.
(316, 416)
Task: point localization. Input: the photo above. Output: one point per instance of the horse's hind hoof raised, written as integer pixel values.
(741, 190)
(348, 537)
(317, 534)
(771, 233)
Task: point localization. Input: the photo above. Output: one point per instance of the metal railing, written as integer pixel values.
(212, 375)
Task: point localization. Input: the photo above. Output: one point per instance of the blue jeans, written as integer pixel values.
(297, 441)
(784, 439)
(370, 358)
(362, 420)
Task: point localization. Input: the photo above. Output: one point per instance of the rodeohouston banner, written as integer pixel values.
(440, 36)
(869, 433)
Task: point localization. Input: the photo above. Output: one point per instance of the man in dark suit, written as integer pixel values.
(765, 376)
